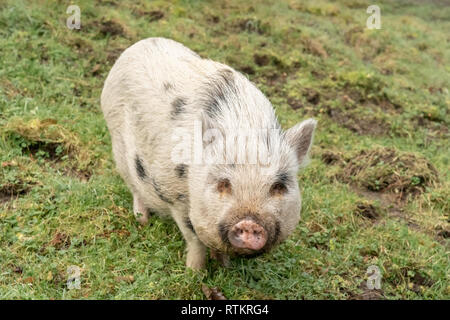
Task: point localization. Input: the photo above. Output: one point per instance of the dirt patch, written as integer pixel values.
(443, 233)
(314, 47)
(367, 210)
(329, 157)
(366, 293)
(365, 44)
(361, 112)
(111, 27)
(80, 45)
(122, 233)
(436, 129)
(261, 59)
(214, 19)
(295, 104)
(355, 121)
(385, 170)
(356, 88)
(416, 279)
(9, 88)
(274, 81)
(17, 269)
(247, 70)
(46, 140)
(249, 25)
(150, 15)
(213, 293)
(107, 27)
(60, 241)
(9, 191)
(109, 3)
(82, 175)
(113, 54)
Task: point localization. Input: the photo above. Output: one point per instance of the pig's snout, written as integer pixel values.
(247, 234)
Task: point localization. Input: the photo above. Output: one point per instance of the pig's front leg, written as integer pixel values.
(196, 250)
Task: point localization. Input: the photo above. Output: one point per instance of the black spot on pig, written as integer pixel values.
(177, 106)
(168, 86)
(159, 192)
(276, 234)
(189, 224)
(219, 89)
(140, 168)
(223, 232)
(181, 197)
(181, 170)
(283, 178)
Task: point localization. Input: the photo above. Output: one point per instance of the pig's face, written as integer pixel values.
(247, 209)
(252, 210)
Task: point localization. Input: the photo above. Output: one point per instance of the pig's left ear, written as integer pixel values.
(300, 137)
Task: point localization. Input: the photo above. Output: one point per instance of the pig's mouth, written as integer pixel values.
(249, 235)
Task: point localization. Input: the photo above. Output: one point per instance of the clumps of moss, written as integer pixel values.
(46, 140)
(384, 170)
(42, 135)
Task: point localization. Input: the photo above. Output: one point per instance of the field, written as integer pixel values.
(377, 190)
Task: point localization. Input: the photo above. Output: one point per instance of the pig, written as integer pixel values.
(157, 86)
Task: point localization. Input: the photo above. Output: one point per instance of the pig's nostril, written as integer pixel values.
(247, 234)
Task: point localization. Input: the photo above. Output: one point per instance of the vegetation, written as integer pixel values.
(376, 191)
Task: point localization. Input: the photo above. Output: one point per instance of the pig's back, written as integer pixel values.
(152, 69)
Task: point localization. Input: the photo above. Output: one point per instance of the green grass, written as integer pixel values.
(62, 203)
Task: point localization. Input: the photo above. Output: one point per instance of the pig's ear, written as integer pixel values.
(300, 137)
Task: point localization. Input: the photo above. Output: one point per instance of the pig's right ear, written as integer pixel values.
(300, 137)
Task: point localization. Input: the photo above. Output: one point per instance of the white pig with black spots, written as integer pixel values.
(160, 97)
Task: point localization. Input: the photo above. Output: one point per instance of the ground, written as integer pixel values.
(375, 193)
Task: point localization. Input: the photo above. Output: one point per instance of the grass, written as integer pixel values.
(375, 193)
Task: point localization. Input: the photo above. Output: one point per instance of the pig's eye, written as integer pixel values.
(224, 186)
(278, 189)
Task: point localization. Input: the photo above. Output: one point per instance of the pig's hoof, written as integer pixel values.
(140, 211)
(222, 258)
(195, 260)
(141, 218)
(195, 264)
